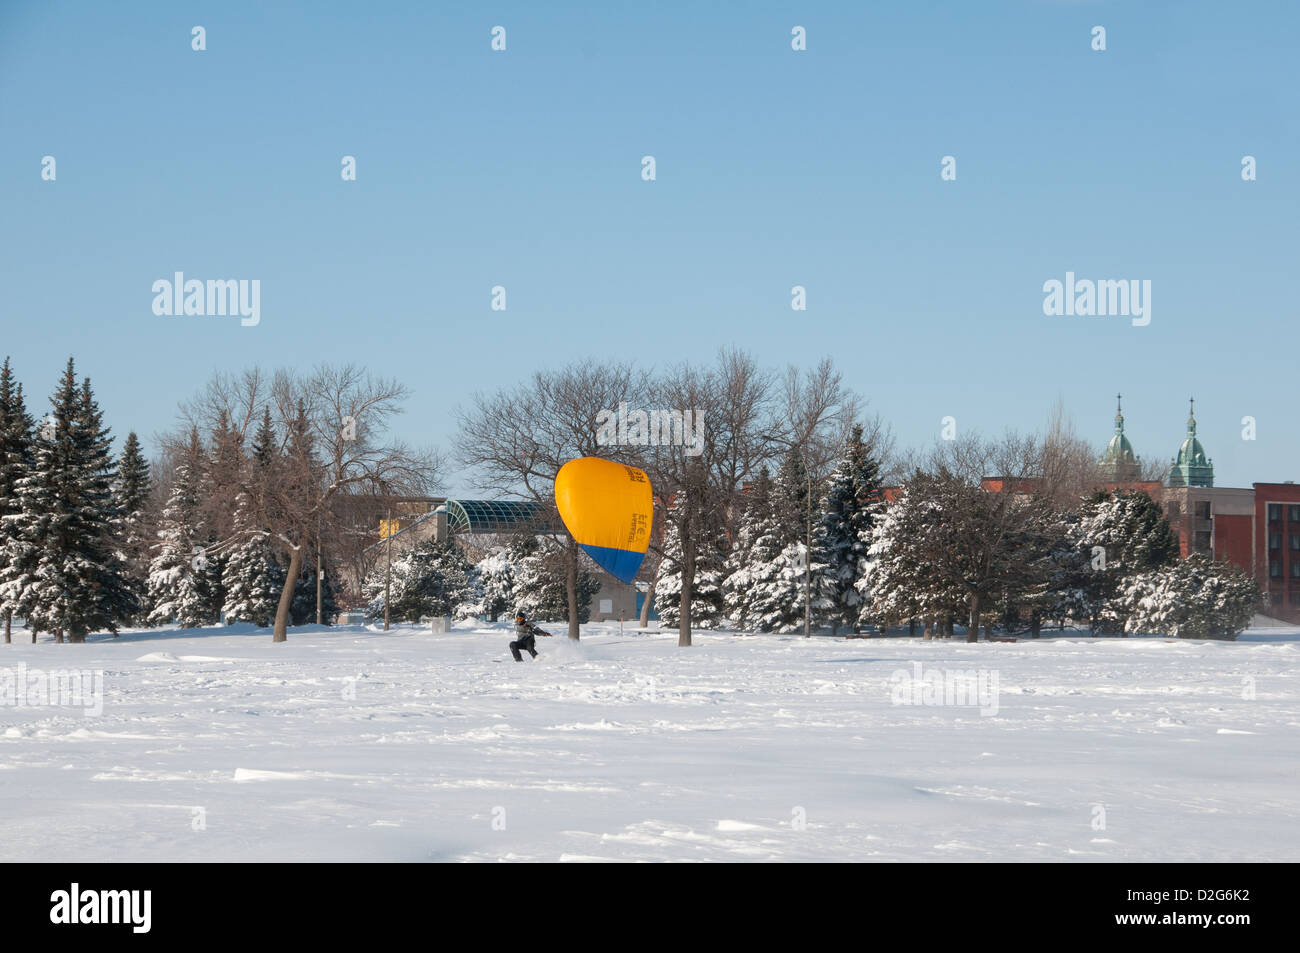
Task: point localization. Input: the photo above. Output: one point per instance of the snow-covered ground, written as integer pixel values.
(348, 743)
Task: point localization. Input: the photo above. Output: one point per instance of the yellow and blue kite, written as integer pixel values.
(608, 507)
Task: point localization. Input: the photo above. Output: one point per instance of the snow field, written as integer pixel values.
(354, 744)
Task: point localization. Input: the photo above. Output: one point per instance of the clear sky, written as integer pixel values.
(775, 168)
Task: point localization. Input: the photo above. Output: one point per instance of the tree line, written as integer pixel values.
(777, 518)
(790, 510)
(269, 483)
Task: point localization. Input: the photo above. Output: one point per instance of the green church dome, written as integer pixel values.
(1191, 467)
(1119, 450)
(1119, 463)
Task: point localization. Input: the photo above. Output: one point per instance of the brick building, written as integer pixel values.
(1277, 547)
(1256, 528)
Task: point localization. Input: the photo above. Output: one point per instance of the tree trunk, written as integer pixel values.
(927, 631)
(1035, 625)
(688, 590)
(973, 629)
(571, 587)
(281, 631)
(9, 624)
(911, 627)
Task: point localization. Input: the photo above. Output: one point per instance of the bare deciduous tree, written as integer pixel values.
(330, 426)
(517, 440)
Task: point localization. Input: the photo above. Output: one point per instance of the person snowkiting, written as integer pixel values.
(524, 637)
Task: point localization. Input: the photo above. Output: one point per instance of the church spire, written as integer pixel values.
(1191, 467)
(1119, 463)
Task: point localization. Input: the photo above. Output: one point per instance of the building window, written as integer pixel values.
(1274, 540)
(1295, 569)
(1275, 569)
(1295, 540)
(1275, 512)
(1203, 510)
(1173, 510)
(1202, 542)
(1277, 598)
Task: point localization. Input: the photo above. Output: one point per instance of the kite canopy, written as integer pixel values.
(608, 507)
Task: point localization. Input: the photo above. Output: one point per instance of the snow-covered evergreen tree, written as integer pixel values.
(71, 583)
(253, 577)
(131, 494)
(1190, 598)
(1117, 536)
(540, 590)
(113, 598)
(707, 601)
(764, 588)
(845, 531)
(180, 581)
(897, 582)
(432, 578)
(17, 556)
(789, 499)
(496, 579)
(736, 594)
(302, 610)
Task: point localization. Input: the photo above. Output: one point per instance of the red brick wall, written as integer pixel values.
(1232, 540)
(1284, 493)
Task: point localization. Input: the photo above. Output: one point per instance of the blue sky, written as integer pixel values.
(775, 168)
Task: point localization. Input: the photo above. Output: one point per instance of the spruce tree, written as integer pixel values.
(16, 440)
(707, 599)
(764, 586)
(845, 531)
(897, 583)
(302, 611)
(789, 498)
(112, 599)
(74, 585)
(181, 588)
(736, 593)
(1190, 598)
(132, 493)
(496, 577)
(540, 589)
(432, 578)
(1117, 536)
(253, 577)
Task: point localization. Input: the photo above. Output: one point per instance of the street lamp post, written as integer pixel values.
(388, 568)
